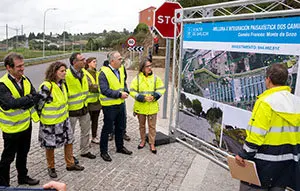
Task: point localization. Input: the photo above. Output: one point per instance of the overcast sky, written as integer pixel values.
(76, 15)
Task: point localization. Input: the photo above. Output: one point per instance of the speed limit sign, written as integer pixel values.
(131, 41)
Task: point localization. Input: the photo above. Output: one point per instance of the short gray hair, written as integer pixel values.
(111, 56)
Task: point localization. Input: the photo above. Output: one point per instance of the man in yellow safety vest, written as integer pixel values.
(17, 98)
(112, 98)
(78, 89)
(273, 135)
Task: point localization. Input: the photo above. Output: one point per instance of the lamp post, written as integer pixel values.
(65, 35)
(44, 25)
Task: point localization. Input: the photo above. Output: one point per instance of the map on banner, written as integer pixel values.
(222, 76)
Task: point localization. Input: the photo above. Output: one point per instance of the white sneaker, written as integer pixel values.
(95, 140)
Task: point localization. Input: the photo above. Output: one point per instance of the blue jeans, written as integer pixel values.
(114, 116)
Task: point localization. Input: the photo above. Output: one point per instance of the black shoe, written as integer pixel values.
(110, 137)
(140, 146)
(124, 151)
(28, 180)
(105, 157)
(153, 151)
(88, 155)
(76, 161)
(52, 172)
(126, 137)
(75, 167)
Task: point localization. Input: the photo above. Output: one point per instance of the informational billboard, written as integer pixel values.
(224, 71)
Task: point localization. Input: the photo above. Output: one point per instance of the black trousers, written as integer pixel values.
(125, 123)
(15, 144)
(94, 115)
(114, 116)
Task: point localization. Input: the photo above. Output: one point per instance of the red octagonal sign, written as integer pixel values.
(164, 19)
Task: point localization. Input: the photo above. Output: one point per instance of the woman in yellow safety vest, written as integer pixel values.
(55, 129)
(94, 105)
(146, 88)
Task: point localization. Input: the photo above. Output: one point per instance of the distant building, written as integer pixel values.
(146, 16)
(3, 47)
(53, 44)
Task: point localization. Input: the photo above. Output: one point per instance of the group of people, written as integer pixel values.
(79, 92)
(67, 95)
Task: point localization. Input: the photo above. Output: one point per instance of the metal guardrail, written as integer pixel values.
(31, 60)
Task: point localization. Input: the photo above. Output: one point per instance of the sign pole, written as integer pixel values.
(131, 58)
(164, 23)
(167, 70)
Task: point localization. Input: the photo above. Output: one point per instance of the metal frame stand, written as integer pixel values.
(235, 10)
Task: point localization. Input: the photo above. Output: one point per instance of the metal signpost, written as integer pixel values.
(131, 41)
(164, 24)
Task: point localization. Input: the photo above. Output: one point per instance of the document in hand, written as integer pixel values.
(247, 173)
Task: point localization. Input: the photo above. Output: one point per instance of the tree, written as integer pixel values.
(213, 114)
(192, 3)
(182, 97)
(125, 31)
(188, 104)
(141, 27)
(197, 106)
(90, 45)
(31, 36)
(39, 35)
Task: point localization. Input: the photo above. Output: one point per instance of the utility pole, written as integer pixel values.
(17, 32)
(73, 43)
(6, 37)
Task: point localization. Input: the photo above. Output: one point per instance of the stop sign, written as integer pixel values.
(164, 19)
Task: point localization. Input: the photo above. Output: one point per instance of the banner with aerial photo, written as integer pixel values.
(224, 71)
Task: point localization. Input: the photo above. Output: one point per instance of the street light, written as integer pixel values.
(44, 28)
(65, 35)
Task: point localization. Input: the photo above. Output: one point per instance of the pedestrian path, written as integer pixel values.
(175, 167)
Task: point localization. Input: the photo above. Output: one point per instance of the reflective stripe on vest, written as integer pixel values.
(16, 120)
(114, 84)
(77, 92)
(92, 97)
(142, 85)
(56, 111)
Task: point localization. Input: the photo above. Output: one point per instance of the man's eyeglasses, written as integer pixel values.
(148, 66)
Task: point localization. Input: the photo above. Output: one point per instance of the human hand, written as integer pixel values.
(59, 186)
(36, 97)
(124, 95)
(240, 161)
(149, 98)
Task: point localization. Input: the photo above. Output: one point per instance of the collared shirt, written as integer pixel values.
(116, 71)
(19, 82)
(76, 72)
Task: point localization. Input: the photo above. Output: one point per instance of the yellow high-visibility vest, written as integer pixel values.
(142, 85)
(114, 84)
(92, 97)
(56, 111)
(77, 92)
(274, 124)
(16, 120)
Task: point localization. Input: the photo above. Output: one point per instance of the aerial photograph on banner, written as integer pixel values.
(220, 87)
(223, 72)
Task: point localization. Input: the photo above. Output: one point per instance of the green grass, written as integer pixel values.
(30, 53)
